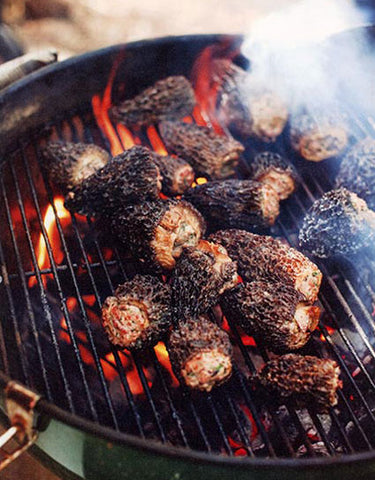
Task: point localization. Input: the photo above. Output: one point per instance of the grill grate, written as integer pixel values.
(56, 346)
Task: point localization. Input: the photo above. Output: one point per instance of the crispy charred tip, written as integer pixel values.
(264, 257)
(130, 177)
(157, 232)
(272, 169)
(177, 174)
(309, 381)
(68, 164)
(319, 136)
(138, 315)
(357, 171)
(200, 354)
(339, 223)
(171, 98)
(202, 274)
(236, 203)
(207, 152)
(273, 312)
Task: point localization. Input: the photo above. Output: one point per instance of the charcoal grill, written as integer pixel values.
(102, 413)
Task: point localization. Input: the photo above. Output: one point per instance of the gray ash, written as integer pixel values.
(337, 223)
(171, 98)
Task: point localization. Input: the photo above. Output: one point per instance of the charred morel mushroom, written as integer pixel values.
(248, 108)
(264, 257)
(210, 154)
(69, 164)
(274, 170)
(357, 171)
(156, 232)
(338, 223)
(201, 275)
(275, 313)
(309, 381)
(130, 177)
(236, 203)
(139, 314)
(200, 354)
(171, 98)
(319, 135)
(177, 174)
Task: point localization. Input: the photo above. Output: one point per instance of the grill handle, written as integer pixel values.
(21, 66)
(20, 403)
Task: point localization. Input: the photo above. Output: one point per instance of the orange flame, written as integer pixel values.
(49, 223)
(155, 140)
(238, 446)
(163, 358)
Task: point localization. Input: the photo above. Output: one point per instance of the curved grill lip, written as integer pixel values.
(37, 80)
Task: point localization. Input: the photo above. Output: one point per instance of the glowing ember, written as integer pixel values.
(163, 358)
(238, 446)
(49, 223)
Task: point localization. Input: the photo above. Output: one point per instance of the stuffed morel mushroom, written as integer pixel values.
(138, 314)
(200, 354)
(236, 203)
(156, 232)
(171, 98)
(212, 155)
(275, 313)
(201, 275)
(177, 174)
(131, 177)
(309, 381)
(263, 257)
(68, 164)
(337, 223)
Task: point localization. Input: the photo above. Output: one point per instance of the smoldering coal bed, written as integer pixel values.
(57, 269)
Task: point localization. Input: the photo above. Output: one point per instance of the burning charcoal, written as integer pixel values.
(251, 109)
(273, 312)
(130, 177)
(310, 381)
(68, 164)
(276, 171)
(169, 99)
(263, 257)
(235, 203)
(357, 171)
(320, 135)
(156, 232)
(207, 152)
(177, 174)
(138, 315)
(200, 354)
(338, 223)
(201, 275)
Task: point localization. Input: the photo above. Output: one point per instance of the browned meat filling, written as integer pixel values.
(270, 204)
(88, 163)
(321, 144)
(280, 181)
(183, 179)
(269, 115)
(178, 228)
(206, 368)
(124, 320)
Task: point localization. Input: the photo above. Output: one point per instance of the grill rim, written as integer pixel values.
(152, 446)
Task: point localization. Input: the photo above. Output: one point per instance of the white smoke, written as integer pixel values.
(286, 54)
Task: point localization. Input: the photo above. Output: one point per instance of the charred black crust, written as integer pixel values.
(168, 167)
(158, 296)
(357, 171)
(193, 336)
(171, 98)
(205, 150)
(131, 177)
(135, 227)
(309, 381)
(266, 310)
(263, 162)
(196, 285)
(58, 159)
(230, 204)
(334, 225)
